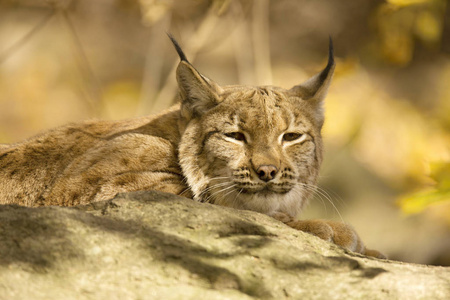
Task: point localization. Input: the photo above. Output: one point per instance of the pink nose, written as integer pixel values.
(267, 172)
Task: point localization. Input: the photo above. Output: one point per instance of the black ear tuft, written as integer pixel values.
(330, 53)
(178, 48)
(315, 88)
(324, 74)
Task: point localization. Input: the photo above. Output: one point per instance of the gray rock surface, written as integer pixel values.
(151, 245)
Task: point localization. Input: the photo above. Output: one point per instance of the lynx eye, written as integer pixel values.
(238, 136)
(291, 136)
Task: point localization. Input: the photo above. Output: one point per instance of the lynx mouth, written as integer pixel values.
(264, 191)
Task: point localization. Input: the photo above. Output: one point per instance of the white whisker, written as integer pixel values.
(221, 191)
(220, 177)
(217, 185)
(322, 193)
(240, 191)
(228, 193)
(313, 191)
(184, 191)
(316, 195)
(335, 196)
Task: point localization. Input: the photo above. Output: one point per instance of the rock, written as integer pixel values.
(152, 245)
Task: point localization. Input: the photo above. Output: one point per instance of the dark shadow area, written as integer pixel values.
(336, 264)
(25, 231)
(346, 264)
(41, 239)
(183, 252)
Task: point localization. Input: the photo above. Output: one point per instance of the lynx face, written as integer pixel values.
(258, 150)
(255, 148)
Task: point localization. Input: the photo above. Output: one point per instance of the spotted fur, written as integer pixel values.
(254, 148)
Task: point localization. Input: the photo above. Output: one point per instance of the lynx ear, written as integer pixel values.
(198, 93)
(315, 89)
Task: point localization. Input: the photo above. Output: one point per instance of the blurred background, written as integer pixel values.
(387, 132)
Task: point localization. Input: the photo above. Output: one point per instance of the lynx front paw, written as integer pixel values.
(338, 233)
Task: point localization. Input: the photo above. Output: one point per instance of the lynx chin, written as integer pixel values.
(248, 147)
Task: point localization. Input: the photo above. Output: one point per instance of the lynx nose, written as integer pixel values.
(267, 172)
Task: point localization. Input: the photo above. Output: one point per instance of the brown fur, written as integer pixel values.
(256, 148)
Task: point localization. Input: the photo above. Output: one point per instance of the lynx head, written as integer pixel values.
(256, 148)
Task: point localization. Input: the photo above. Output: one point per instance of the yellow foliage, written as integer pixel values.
(415, 203)
(389, 136)
(407, 2)
(428, 27)
(400, 22)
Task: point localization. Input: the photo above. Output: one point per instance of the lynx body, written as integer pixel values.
(254, 148)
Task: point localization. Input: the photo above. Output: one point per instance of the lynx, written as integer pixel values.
(254, 148)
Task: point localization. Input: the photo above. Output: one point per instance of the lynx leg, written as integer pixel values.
(346, 237)
(375, 253)
(338, 233)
